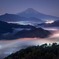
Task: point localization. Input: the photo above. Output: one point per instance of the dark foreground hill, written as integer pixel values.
(37, 52)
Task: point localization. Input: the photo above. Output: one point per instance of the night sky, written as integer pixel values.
(49, 7)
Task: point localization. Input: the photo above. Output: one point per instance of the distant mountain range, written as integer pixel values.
(30, 12)
(11, 18)
(16, 18)
(27, 15)
(9, 31)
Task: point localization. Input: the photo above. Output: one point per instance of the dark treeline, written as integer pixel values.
(43, 51)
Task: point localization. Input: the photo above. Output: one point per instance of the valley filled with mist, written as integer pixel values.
(29, 28)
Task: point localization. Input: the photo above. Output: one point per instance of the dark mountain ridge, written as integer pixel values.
(34, 32)
(24, 33)
(43, 51)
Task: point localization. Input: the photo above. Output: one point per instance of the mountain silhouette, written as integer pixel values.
(30, 12)
(11, 18)
(43, 51)
(34, 32)
(15, 18)
(9, 31)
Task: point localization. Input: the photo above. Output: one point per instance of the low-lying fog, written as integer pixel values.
(8, 47)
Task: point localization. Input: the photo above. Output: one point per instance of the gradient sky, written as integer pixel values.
(50, 7)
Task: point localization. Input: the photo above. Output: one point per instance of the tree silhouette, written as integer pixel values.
(37, 52)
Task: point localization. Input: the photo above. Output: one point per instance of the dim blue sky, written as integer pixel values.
(49, 7)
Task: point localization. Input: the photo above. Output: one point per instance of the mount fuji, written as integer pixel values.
(30, 12)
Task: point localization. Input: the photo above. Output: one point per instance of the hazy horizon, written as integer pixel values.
(49, 7)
